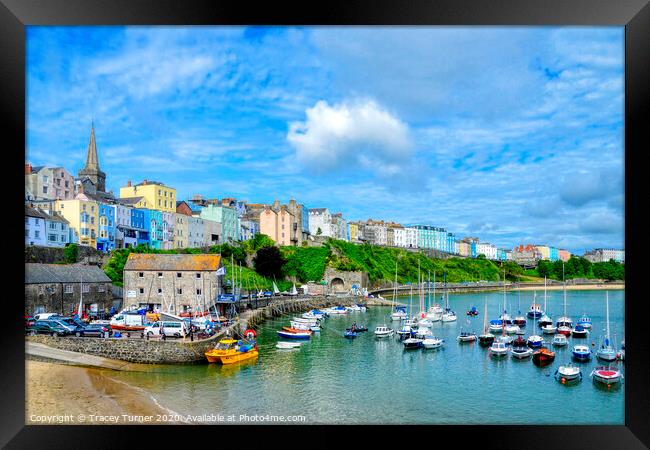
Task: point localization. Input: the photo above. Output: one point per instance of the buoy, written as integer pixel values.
(563, 380)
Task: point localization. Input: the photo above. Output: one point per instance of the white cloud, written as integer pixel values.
(351, 135)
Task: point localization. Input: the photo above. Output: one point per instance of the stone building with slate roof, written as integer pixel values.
(172, 283)
(57, 288)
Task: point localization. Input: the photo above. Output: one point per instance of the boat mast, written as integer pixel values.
(544, 293)
(607, 316)
(81, 292)
(485, 327)
(395, 286)
(564, 287)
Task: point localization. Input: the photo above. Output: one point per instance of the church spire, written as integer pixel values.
(92, 170)
(92, 162)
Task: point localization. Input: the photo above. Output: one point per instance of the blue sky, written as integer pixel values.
(511, 134)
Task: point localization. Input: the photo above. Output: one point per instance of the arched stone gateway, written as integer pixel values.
(337, 285)
(339, 281)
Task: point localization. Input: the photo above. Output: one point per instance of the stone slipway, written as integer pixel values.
(45, 353)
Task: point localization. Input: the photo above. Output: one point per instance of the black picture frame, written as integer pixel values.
(633, 14)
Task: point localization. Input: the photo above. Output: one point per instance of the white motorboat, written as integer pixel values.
(607, 375)
(559, 340)
(287, 345)
(356, 308)
(423, 333)
(511, 329)
(521, 351)
(499, 349)
(549, 329)
(606, 352)
(433, 342)
(568, 372)
(305, 321)
(581, 353)
(505, 339)
(425, 323)
(564, 323)
(384, 331)
(398, 315)
(496, 325)
(535, 341)
(449, 316)
(337, 310)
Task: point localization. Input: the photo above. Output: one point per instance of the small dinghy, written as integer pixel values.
(349, 334)
(473, 311)
(467, 336)
(357, 328)
(287, 345)
(568, 372)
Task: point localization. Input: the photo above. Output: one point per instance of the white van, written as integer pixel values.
(45, 316)
(175, 329)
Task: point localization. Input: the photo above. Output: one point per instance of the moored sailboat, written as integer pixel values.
(606, 351)
(486, 338)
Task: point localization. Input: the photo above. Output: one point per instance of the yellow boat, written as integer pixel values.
(229, 351)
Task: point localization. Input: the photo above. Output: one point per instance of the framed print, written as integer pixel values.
(364, 214)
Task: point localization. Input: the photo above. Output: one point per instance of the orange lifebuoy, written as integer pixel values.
(250, 333)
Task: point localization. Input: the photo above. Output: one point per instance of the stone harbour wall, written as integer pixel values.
(135, 350)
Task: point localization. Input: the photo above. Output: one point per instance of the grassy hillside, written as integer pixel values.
(308, 263)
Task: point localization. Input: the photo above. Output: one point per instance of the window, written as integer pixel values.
(179, 291)
(26, 233)
(142, 290)
(159, 202)
(44, 189)
(141, 274)
(45, 179)
(86, 288)
(92, 220)
(67, 184)
(159, 274)
(53, 225)
(198, 292)
(51, 237)
(179, 275)
(160, 291)
(37, 234)
(62, 227)
(198, 275)
(68, 289)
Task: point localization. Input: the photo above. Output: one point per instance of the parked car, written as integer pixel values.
(52, 327)
(175, 329)
(75, 325)
(95, 329)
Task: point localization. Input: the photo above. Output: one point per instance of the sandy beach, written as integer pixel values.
(62, 394)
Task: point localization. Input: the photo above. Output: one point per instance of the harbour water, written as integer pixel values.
(333, 380)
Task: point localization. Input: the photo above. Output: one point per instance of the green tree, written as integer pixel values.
(71, 253)
(269, 261)
(546, 268)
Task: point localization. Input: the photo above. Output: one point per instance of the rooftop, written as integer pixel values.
(61, 273)
(149, 261)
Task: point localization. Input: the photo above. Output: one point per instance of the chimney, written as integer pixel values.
(145, 181)
(128, 183)
(28, 169)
